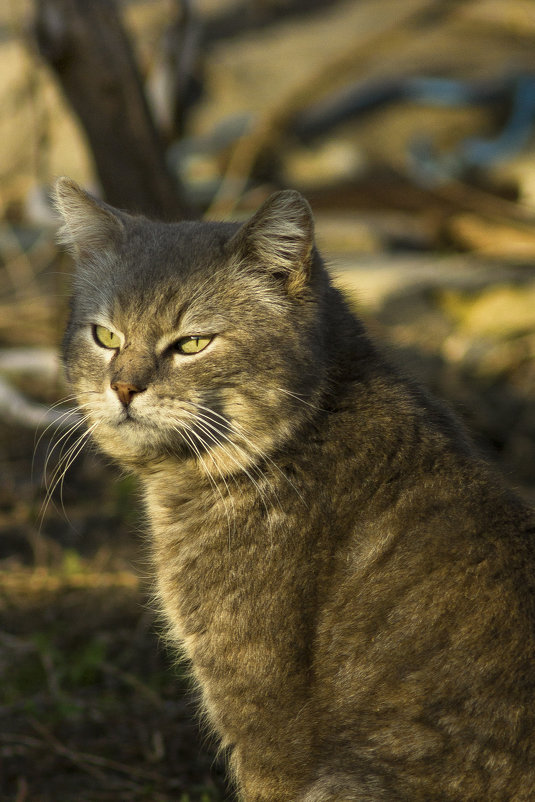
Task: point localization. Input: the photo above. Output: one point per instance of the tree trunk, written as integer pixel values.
(87, 47)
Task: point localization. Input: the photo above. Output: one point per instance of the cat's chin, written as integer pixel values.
(132, 442)
(128, 441)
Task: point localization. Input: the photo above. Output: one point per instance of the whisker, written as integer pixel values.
(254, 448)
(62, 468)
(74, 455)
(58, 423)
(62, 418)
(301, 399)
(212, 432)
(61, 460)
(185, 432)
(64, 437)
(239, 448)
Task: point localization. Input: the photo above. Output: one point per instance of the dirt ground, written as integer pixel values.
(93, 704)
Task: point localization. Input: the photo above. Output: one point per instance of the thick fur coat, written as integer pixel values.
(353, 586)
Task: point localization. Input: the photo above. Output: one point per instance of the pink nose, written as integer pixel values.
(126, 391)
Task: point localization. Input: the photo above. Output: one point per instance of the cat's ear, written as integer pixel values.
(279, 238)
(91, 229)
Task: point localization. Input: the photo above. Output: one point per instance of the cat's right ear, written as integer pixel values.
(91, 229)
(279, 239)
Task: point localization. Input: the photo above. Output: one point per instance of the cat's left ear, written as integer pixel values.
(91, 229)
(280, 239)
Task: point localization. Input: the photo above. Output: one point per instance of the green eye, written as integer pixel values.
(105, 337)
(192, 345)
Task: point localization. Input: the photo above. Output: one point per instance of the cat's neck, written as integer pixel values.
(220, 550)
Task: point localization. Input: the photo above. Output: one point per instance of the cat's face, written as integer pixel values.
(195, 339)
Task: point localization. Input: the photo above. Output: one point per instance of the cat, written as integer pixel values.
(353, 586)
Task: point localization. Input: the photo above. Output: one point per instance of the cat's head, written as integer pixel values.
(188, 338)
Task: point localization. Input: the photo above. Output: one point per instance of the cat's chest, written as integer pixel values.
(226, 563)
(198, 533)
(188, 510)
(185, 515)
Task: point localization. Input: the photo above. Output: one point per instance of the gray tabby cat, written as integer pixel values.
(352, 585)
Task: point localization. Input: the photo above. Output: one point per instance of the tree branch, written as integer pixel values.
(86, 46)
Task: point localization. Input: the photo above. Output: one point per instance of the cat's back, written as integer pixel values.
(426, 637)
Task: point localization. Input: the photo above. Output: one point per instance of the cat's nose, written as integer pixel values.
(126, 391)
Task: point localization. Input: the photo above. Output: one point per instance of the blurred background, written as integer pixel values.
(410, 128)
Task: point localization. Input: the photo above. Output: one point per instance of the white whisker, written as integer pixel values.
(188, 434)
(61, 469)
(64, 437)
(59, 422)
(300, 399)
(74, 453)
(211, 431)
(256, 450)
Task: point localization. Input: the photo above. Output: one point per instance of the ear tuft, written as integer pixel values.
(90, 226)
(280, 236)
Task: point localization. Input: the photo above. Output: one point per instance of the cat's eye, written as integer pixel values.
(106, 338)
(192, 345)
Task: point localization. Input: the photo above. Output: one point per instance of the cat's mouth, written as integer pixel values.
(131, 420)
(128, 418)
(140, 433)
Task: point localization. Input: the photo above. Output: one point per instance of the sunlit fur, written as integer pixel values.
(353, 587)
